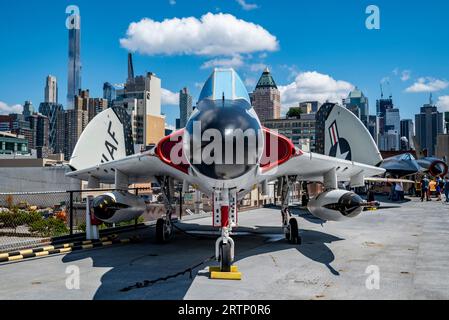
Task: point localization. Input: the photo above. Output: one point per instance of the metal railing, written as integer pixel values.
(30, 218)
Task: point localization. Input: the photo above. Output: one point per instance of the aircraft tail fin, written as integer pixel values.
(345, 136)
(420, 153)
(106, 138)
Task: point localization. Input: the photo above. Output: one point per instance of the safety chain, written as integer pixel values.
(149, 283)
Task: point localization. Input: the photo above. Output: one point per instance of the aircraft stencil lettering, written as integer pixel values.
(109, 145)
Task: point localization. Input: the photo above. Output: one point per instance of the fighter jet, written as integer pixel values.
(225, 152)
(406, 164)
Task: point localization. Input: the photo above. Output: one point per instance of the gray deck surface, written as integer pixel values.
(408, 243)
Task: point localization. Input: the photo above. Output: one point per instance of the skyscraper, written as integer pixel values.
(55, 114)
(408, 131)
(21, 126)
(390, 138)
(142, 99)
(358, 104)
(75, 121)
(28, 109)
(266, 98)
(96, 106)
(382, 106)
(392, 119)
(51, 89)
(130, 67)
(185, 107)
(428, 124)
(373, 127)
(109, 93)
(309, 106)
(389, 141)
(74, 66)
(40, 126)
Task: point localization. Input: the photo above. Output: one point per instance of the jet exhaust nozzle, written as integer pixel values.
(438, 169)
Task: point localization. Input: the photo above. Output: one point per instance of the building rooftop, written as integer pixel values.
(6, 134)
(266, 80)
(356, 93)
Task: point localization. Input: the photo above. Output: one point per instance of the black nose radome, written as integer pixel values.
(228, 121)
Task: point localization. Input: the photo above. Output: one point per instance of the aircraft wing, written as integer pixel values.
(140, 168)
(313, 167)
(390, 180)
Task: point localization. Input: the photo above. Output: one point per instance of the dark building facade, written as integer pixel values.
(408, 131)
(382, 106)
(39, 124)
(21, 126)
(320, 126)
(429, 124)
(109, 93)
(53, 112)
(185, 107)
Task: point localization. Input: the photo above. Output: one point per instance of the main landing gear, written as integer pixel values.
(289, 223)
(164, 226)
(164, 229)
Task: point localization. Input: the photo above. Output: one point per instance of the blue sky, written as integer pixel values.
(315, 49)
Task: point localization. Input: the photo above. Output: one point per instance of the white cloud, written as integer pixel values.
(257, 67)
(234, 62)
(251, 82)
(385, 80)
(6, 109)
(443, 103)
(211, 35)
(292, 71)
(314, 86)
(172, 2)
(247, 6)
(169, 98)
(405, 75)
(427, 84)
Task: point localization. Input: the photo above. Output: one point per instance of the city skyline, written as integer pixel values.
(316, 62)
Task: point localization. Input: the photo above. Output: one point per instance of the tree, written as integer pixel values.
(294, 113)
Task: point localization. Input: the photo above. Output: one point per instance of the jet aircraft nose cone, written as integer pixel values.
(223, 140)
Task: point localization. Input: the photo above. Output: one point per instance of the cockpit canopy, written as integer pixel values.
(225, 84)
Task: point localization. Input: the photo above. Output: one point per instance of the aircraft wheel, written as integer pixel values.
(293, 235)
(225, 257)
(164, 231)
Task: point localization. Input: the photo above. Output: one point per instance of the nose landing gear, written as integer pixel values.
(225, 217)
(224, 253)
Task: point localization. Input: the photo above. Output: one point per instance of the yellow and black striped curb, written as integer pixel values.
(62, 248)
